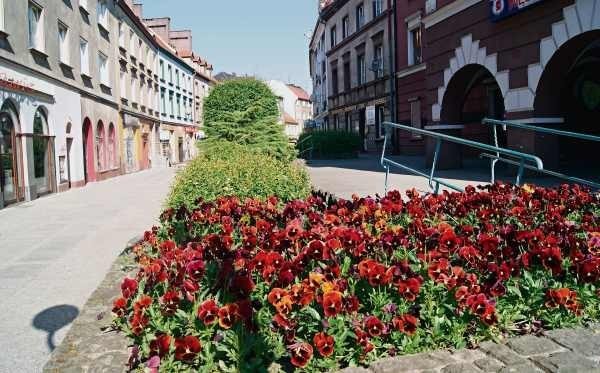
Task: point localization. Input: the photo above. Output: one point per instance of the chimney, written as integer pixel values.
(160, 26)
(181, 40)
(138, 9)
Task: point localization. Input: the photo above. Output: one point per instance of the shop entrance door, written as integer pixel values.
(9, 180)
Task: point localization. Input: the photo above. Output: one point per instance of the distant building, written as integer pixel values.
(295, 106)
(318, 73)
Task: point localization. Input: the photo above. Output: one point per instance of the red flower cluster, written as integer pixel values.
(364, 267)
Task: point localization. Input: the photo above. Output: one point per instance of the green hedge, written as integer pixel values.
(236, 170)
(238, 95)
(329, 144)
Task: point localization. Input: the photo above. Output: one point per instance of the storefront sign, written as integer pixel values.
(501, 9)
(370, 115)
(13, 84)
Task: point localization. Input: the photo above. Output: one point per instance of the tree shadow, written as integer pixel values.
(53, 319)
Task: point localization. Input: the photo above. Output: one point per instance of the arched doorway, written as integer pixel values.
(9, 160)
(471, 95)
(569, 92)
(88, 151)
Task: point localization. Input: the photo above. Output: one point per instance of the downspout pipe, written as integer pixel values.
(393, 26)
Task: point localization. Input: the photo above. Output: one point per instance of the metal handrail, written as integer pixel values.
(434, 182)
(575, 135)
(309, 149)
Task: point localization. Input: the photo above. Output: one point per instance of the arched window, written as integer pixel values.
(101, 146)
(112, 147)
(40, 150)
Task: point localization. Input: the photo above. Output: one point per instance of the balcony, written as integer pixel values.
(372, 90)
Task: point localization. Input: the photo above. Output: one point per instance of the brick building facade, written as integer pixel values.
(457, 62)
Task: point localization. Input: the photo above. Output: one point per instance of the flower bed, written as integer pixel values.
(321, 285)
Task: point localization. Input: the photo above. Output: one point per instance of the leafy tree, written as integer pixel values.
(245, 111)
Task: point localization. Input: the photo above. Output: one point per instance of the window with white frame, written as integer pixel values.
(134, 91)
(162, 69)
(63, 44)
(360, 16)
(103, 69)
(36, 26)
(361, 69)
(84, 55)
(121, 35)
(102, 13)
(2, 15)
(123, 81)
(414, 39)
(378, 61)
(377, 8)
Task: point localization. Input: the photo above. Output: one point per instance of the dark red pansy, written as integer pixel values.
(228, 315)
(409, 288)
(276, 294)
(208, 312)
(300, 353)
(187, 348)
(373, 326)
(324, 343)
(406, 324)
(160, 345)
(128, 287)
(170, 302)
(119, 306)
(332, 303)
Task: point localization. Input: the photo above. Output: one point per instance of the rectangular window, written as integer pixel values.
(163, 103)
(377, 8)
(379, 119)
(333, 35)
(178, 107)
(36, 27)
(162, 69)
(334, 81)
(348, 121)
(361, 70)
(103, 69)
(360, 16)
(102, 14)
(84, 56)
(121, 35)
(123, 81)
(134, 92)
(347, 77)
(345, 27)
(177, 76)
(63, 44)
(2, 15)
(378, 61)
(171, 107)
(170, 75)
(131, 42)
(414, 47)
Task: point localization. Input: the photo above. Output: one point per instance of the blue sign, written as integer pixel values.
(501, 9)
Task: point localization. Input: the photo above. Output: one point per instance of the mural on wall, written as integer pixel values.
(501, 9)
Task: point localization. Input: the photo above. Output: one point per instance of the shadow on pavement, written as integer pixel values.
(474, 169)
(53, 319)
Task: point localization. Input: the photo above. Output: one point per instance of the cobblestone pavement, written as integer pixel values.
(565, 350)
(54, 252)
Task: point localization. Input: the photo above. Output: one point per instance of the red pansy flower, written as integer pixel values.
(208, 312)
(324, 343)
(332, 303)
(119, 306)
(187, 348)
(406, 324)
(160, 345)
(373, 326)
(301, 353)
(228, 315)
(128, 287)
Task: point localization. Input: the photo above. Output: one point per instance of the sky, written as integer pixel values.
(265, 38)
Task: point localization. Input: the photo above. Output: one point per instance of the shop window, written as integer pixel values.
(112, 146)
(36, 26)
(100, 147)
(40, 151)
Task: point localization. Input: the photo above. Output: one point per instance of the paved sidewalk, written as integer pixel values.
(365, 176)
(56, 250)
